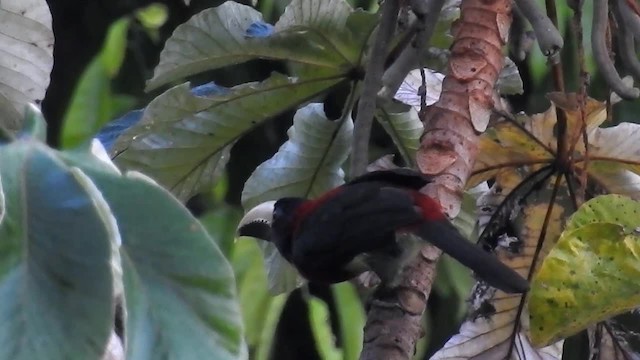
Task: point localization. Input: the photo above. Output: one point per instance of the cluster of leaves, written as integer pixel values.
(542, 169)
(79, 237)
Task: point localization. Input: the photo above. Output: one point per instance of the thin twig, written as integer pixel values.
(601, 54)
(556, 62)
(372, 83)
(627, 44)
(427, 13)
(583, 75)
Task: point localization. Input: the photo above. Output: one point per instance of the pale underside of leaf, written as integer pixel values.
(326, 15)
(614, 159)
(26, 57)
(405, 130)
(212, 38)
(176, 280)
(409, 91)
(56, 281)
(183, 140)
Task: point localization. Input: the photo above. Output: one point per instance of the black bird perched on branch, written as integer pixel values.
(352, 229)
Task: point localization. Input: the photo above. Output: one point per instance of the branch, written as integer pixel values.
(372, 83)
(627, 44)
(548, 36)
(427, 13)
(601, 52)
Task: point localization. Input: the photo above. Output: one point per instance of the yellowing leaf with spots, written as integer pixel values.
(592, 272)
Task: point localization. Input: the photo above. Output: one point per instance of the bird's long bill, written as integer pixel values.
(486, 266)
(257, 222)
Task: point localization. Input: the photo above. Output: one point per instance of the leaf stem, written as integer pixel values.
(372, 83)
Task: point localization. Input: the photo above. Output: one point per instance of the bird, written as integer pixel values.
(353, 228)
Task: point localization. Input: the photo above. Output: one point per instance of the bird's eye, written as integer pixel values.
(278, 213)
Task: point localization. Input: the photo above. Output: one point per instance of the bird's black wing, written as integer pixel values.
(362, 218)
(400, 177)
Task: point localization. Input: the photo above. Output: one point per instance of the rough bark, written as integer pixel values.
(448, 150)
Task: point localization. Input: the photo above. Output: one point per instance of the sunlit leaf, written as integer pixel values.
(307, 165)
(596, 255)
(56, 285)
(26, 44)
(184, 138)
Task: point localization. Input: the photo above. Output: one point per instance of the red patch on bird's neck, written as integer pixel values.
(309, 206)
(431, 208)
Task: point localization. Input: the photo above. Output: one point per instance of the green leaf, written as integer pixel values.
(221, 224)
(255, 299)
(591, 273)
(321, 329)
(176, 279)
(405, 130)
(271, 322)
(153, 16)
(183, 139)
(211, 39)
(34, 124)
(351, 318)
(314, 36)
(612, 208)
(307, 165)
(93, 104)
(26, 60)
(56, 292)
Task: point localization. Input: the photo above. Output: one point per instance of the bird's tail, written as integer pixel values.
(486, 266)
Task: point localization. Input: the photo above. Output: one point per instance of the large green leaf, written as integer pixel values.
(351, 319)
(307, 165)
(56, 292)
(319, 321)
(183, 139)
(179, 289)
(27, 57)
(312, 33)
(591, 274)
